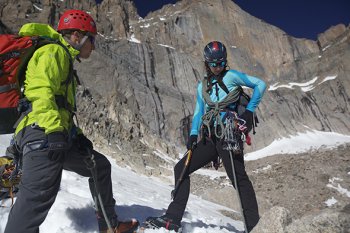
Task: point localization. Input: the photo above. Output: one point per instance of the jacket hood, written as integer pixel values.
(37, 29)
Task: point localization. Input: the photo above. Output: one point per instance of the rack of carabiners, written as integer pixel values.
(233, 131)
(9, 180)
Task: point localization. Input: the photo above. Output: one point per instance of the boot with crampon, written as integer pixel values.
(129, 226)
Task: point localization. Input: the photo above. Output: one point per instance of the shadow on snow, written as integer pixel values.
(84, 219)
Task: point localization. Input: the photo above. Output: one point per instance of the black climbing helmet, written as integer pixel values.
(215, 52)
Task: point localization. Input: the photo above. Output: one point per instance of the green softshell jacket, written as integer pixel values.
(45, 75)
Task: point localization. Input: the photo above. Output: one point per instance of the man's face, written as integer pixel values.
(87, 47)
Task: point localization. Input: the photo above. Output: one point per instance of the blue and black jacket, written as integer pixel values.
(232, 79)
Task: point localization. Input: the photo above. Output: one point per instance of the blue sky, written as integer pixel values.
(298, 18)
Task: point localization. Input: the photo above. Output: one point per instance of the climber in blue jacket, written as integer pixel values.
(218, 97)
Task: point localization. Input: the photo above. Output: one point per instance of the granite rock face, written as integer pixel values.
(155, 64)
(159, 63)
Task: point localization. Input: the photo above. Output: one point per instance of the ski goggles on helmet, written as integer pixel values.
(215, 64)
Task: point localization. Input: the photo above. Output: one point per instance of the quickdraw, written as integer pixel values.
(233, 132)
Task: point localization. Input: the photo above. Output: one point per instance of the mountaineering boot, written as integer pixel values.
(129, 226)
(162, 222)
(124, 227)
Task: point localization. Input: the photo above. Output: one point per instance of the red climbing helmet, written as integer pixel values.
(77, 19)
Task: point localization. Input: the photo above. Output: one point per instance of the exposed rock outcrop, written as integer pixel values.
(278, 220)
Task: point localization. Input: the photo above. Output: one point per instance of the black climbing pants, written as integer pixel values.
(41, 180)
(205, 152)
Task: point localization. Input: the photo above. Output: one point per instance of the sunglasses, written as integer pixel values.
(90, 37)
(92, 40)
(215, 64)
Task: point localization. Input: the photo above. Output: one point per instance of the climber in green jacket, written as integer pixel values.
(46, 134)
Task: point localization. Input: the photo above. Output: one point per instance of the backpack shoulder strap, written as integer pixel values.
(209, 83)
(41, 41)
(245, 95)
(223, 86)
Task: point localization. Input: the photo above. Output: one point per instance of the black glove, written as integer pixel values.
(84, 143)
(12, 152)
(248, 117)
(192, 142)
(57, 146)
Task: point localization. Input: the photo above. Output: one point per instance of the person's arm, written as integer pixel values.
(198, 112)
(255, 83)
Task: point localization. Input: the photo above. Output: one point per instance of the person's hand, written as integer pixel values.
(12, 152)
(57, 146)
(192, 142)
(216, 163)
(84, 143)
(248, 117)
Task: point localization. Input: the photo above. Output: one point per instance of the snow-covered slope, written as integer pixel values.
(137, 196)
(140, 196)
